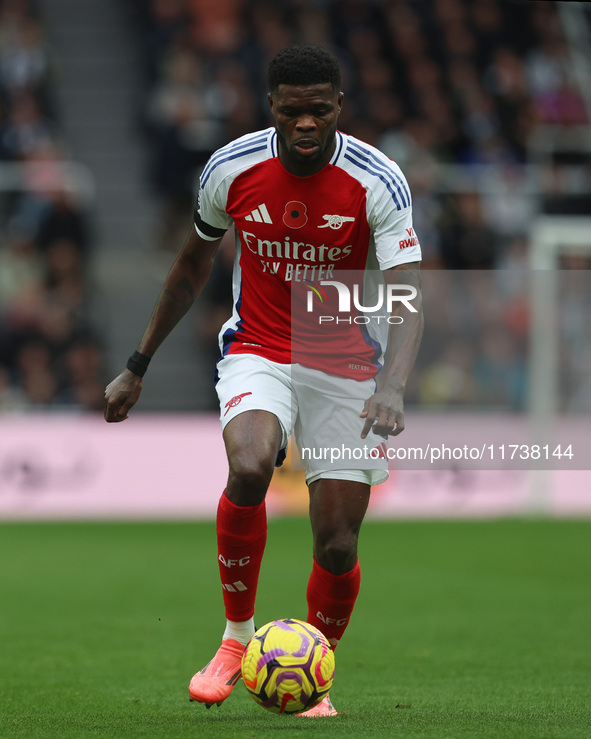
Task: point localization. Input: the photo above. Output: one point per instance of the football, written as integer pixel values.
(288, 666)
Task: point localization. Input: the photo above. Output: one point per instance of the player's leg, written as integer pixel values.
(337, 509)
(253, 440)
(252, 443)
(340, 470)
(254, 437)
(339, 473)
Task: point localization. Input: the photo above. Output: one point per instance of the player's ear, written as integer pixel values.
(340, 99)
(270, 99)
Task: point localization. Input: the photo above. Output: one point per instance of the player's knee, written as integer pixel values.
(337, 553)
(249, 478)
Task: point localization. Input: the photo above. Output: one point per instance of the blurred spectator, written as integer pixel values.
(507, 203)
(184, 135)
(551, 79)
(468, 242)
(63, 219)
(449, 380)
(26, 129)
(43, 248)
(24, 62)
(21, 267)
(500, 371)
(12, 398)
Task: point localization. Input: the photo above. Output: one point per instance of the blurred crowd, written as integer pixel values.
(429, 82)
(49, 354)
(453, 90)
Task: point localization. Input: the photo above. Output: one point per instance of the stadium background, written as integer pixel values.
(463, 628)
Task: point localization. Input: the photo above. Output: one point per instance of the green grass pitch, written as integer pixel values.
(462, 629)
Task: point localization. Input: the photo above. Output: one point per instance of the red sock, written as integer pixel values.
(242, 534)
(331, 599)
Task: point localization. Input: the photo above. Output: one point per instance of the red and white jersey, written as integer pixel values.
(355, 214)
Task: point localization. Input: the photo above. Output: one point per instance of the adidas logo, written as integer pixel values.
(234, 587)
(260, 215)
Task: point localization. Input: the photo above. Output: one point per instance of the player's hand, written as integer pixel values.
(121, 395)
(383, 413)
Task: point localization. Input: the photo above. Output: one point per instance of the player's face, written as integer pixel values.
(306, 121)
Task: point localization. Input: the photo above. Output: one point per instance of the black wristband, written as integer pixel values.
(138, 363)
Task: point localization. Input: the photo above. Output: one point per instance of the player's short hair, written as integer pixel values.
(304, 64)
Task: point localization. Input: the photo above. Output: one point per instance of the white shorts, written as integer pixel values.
(320, 409)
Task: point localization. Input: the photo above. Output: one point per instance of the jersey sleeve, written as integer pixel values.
(211, 219)
(390, 218)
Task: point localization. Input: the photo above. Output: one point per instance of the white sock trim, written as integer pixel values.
(240, 630)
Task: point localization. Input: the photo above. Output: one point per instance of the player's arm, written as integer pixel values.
(184, 282)
(384, 411)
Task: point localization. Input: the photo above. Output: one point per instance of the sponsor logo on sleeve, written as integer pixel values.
(411, 241)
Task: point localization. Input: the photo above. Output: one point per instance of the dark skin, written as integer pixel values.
(306, 121)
